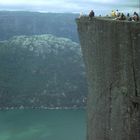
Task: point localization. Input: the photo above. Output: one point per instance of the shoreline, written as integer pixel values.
(41, 108)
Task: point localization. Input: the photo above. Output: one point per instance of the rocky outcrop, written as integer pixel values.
(41, 71)
(111, 53)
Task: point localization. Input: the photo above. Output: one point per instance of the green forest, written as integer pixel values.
(40, 62)
(41, 71)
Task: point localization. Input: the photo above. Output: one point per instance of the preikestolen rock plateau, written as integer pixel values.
(111, 51)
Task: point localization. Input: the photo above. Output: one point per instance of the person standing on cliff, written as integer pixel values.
(117, 13)
(135, 16)
(113, 14)
(91, 14)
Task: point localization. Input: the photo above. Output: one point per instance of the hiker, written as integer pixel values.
(135, 16)
(121, 17)
(91, 14)
(117, 13)
(113, 13)
(128, 17)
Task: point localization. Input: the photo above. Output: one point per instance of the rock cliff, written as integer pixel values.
(111, 53)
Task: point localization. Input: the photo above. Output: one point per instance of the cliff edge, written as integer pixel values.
(111, 53)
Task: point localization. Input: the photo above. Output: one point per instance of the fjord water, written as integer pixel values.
(42, 125)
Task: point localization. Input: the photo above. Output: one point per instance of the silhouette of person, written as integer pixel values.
(91, 14)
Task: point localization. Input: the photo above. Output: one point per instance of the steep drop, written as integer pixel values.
(111, 53)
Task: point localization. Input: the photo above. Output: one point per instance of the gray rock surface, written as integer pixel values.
(111, 51)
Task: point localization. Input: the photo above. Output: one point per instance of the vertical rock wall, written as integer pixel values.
(111, 51)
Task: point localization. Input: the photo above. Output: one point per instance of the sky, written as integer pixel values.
(67, 5)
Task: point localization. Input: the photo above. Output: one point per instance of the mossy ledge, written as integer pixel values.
(111, 51)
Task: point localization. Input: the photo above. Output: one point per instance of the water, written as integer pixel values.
(42, 125)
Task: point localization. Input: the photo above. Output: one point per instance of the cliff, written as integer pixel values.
(111, 53)
(41, 71)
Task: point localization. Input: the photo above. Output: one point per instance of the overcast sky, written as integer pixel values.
(65, 5)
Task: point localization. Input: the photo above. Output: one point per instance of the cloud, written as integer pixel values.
(64, 5)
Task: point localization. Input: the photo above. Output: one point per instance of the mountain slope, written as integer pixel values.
(41, 71)
(34, 23)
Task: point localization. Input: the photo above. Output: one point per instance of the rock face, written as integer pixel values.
(111, 53)
(41, 71)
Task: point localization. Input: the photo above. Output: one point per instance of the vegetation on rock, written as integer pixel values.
(41, 71)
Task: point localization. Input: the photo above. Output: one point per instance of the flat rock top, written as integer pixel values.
(110, 19)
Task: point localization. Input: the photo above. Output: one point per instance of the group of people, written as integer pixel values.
(121, 16)
(117, 15)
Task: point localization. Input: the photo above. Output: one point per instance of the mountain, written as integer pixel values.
(35, 23)
(41, 71)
